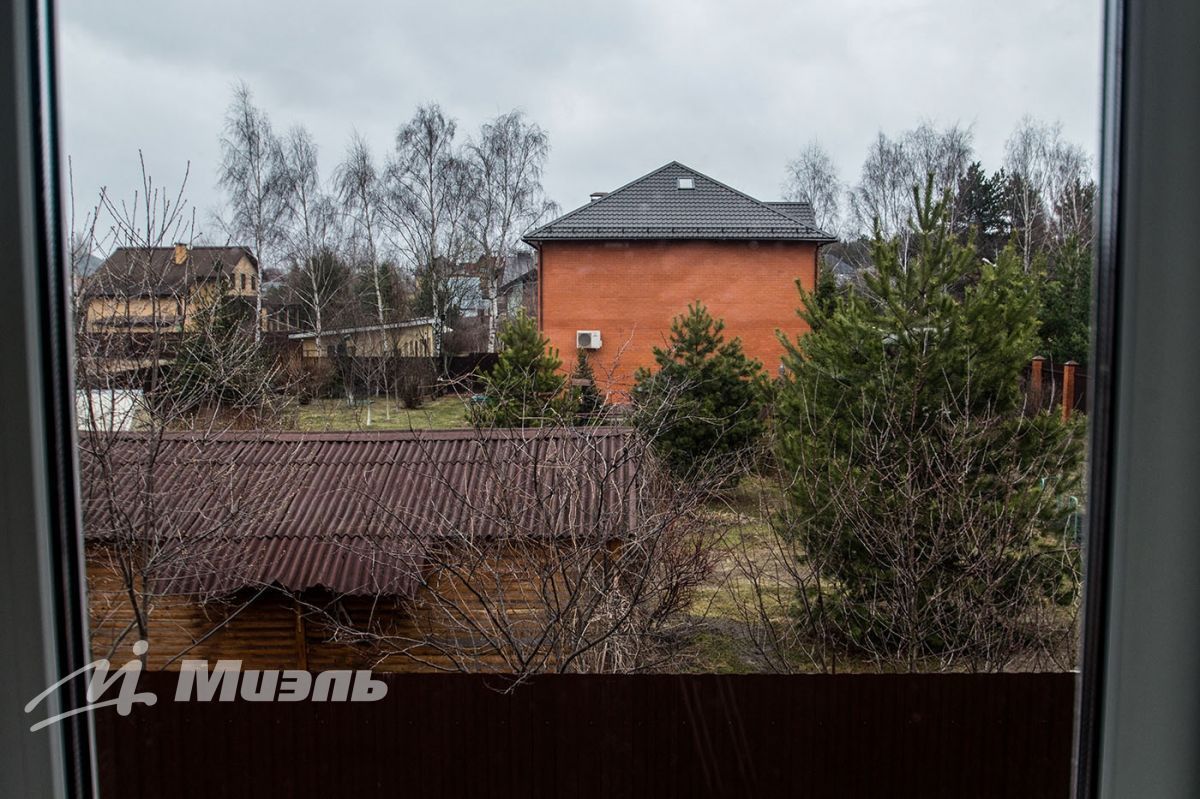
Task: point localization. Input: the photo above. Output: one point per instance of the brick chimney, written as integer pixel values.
(181, 253)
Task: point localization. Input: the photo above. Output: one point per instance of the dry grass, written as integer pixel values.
(722, 645)
(328, 415)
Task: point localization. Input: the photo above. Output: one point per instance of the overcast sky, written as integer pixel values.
(733, 89)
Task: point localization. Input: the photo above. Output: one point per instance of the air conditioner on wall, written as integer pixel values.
(587, 339)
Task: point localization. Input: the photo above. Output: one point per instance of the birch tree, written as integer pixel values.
(311, 225)
(250, 172)
(508, 160)
(359, 188)
(893, 166)
(812, 177)
(423, 190)
(1050, 188)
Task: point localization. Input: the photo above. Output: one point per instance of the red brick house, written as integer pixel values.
(630, 260)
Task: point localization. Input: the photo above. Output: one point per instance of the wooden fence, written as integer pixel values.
(978, 736)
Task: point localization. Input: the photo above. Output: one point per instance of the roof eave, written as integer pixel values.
(820, 238)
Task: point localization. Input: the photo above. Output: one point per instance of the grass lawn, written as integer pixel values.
(327, 415)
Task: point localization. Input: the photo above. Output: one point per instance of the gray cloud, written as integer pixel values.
(730, 88)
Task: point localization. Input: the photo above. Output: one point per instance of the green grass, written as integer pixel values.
(717, 652)
(329, 415)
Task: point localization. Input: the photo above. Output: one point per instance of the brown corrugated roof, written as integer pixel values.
(351, 512)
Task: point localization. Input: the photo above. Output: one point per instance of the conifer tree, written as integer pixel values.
(524, 388)
(923, 493)
(218, 363)
(1066, 293)
(703, 404)
(587, 396)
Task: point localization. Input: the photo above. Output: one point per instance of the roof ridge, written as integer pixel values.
(618, 211)
(594, 203)
(740, 193)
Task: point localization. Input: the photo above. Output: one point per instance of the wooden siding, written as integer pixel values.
(267, 629)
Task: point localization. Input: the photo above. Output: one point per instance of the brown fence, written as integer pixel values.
(977, 736)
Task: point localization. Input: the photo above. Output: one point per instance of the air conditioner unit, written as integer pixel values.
(587, 339)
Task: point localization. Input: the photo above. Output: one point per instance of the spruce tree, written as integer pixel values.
(524, 388)
(702, 406)
(922, 492)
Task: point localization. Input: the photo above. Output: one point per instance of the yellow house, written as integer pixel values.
(412, 337)
(142, 290)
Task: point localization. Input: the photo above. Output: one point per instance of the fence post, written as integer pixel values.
(1035, 379)
(1068, 389)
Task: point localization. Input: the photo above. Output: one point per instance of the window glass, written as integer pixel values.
(581, 346)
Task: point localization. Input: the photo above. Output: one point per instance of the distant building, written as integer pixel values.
(413, 337)
(613, 273)
(518, 287)
(469, 296)
(159, 289)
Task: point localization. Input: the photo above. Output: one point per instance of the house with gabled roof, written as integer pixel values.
(159, 288)
(614, 272)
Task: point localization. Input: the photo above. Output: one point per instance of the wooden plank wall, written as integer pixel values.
(266, 629)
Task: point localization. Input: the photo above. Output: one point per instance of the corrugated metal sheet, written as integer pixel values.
(351, 512)
(934, 736)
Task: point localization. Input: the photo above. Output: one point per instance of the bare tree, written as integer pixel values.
(813, 178)
(508, 159)
(945, 154)
(251, 166)
(884, 195)
(359, 188)
(81, 250)
(156, 353)
(1051, 188)
(579, 557)
(427, 188)
(311, 228)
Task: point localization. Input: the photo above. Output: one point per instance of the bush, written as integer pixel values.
(414, 376)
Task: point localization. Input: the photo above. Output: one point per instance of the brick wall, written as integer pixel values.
(630, 291)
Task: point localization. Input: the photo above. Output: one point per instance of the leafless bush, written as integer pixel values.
(574, 551)
(150, 334)
(414, 379)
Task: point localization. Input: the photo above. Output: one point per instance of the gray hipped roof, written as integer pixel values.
(655, 207)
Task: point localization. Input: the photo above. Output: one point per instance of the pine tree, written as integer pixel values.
(922, 490)
(982, 212)
(524, 388)
(587, 396)
(703, 404)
